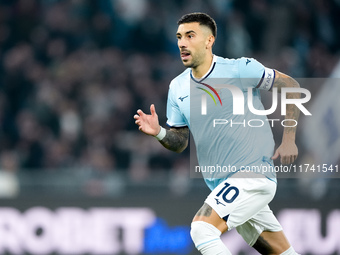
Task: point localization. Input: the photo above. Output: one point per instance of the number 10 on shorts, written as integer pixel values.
(229, 193)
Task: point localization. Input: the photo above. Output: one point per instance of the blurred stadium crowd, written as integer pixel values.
(73, 73)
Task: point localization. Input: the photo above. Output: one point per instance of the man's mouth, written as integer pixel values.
(185, 55)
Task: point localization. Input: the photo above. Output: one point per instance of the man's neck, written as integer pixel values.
(199, 71)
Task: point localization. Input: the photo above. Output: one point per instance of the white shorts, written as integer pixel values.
(243, 204)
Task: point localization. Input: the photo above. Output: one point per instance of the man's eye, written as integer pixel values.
(190, 36)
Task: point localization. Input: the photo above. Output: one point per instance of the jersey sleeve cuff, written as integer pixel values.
(267, 80)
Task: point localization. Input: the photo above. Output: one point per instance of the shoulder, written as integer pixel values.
(231, 67)
(180, 78)
(247, 62)
(239, 63)
(226, 61)
(249, 67)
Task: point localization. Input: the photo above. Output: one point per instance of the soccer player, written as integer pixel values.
(240, 203)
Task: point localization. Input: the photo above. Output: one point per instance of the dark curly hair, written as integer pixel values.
(202, 18)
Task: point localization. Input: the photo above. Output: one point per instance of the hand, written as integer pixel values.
(288, 152)
(147, 123)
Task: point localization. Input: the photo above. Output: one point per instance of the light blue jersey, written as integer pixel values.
(224, 139)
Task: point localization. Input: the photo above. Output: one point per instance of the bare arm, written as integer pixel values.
(175, 139)
(288, 149)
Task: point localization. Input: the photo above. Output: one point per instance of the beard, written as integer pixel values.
(195, 62)
(197, 58)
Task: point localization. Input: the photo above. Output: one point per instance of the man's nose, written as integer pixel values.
(182, 44)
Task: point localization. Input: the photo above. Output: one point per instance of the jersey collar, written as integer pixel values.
(207, 73)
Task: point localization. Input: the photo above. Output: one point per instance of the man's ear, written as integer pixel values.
(210, 41)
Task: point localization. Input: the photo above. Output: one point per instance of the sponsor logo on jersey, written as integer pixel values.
(182, 98)
(218, 202)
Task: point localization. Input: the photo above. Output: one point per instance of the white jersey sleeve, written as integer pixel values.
(173, 113)
(254, 75)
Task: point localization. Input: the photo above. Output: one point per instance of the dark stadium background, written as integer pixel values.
(76, 175)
